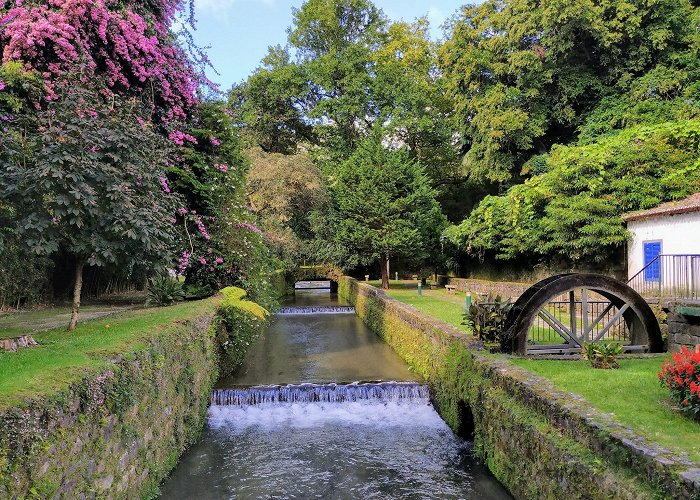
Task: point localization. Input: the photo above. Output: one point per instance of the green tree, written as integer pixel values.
(573, 209)
(386, 206)
(525, 75)
(270, 103)
(87, 178)
(334, 40)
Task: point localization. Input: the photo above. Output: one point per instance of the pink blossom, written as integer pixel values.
(202, 261)
(183, 262)
(221, 168)
(179, 138)
(131, 50)
(164, 184)
(2, 85)
(214, 141)
(202, 229)
(182, 211)
(250, 226)
(219, 260)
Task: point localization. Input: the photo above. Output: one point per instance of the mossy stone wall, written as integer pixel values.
(539, 441)
(119, 432)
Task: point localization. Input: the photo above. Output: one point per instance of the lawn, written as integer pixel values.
(63, 357)
(20, 323)
(436, 303)
(632, 393)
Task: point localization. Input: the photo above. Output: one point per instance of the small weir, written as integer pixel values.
(316, 310)
(293, 423)
(325, 393)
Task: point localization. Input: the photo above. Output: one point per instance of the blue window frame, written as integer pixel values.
(652, 272)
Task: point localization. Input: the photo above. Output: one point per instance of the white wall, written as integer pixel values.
(679, 234)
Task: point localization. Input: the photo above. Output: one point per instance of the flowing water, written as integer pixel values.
(314, 431)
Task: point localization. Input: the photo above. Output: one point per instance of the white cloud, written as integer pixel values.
(221, 6)
(436, 17)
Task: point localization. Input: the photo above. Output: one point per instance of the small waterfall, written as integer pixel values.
(287, 311)
(324, 393)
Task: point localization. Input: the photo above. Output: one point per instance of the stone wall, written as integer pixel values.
(683, 325)
(539, 441)
(503, 288)
(120, 431)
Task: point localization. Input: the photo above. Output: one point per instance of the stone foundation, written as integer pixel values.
(505, 289)
(683, 325)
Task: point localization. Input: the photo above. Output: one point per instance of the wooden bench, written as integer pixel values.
(450, 289)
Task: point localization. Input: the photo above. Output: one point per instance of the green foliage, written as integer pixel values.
(78, 183)
(164, 291)
(242, 321)
(525, 76)
(24, 276)
(221, 246)
(22, 88)
(602, 354)
(269, 103)
(386, 207)
(286, 191)
(573, 209)
(486, 317)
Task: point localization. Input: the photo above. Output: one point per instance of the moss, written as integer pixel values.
(239, 323)
(136, 411)
(525, 449)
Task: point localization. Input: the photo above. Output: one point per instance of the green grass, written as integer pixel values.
(64, 357)
(436, 303)
(20, 323)
(632, 393)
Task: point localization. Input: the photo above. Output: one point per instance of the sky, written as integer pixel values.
(239, 31)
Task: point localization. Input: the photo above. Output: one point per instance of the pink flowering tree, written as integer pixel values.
(129, 44)
(222, 245)
(79, 185)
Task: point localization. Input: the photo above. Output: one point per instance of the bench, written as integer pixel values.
(450, 289)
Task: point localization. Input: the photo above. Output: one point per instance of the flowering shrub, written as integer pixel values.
(681, 375)
(130, 44)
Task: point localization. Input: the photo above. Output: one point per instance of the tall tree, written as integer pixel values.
(334, 39)
(79, 184)
(525, 75)
(386, 206)
(271, 103)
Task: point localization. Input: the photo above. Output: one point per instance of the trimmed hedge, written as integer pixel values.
(240, 323)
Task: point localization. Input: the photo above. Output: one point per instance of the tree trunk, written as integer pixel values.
(77, 289)
(384, 264)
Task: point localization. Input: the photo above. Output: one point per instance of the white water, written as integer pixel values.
(369, 449)
(378, 416)
(286, 311)
(321, 393)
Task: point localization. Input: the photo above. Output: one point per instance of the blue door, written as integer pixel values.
(652, 272)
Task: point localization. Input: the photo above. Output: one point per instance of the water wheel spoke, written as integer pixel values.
(612, 322)
(598, 320)
(558, 327)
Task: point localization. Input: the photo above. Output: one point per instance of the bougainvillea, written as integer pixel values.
(681, 375)
(130, 44)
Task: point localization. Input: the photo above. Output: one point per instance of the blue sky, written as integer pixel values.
(239, 31)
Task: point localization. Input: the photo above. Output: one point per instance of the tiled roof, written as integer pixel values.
(689, 204)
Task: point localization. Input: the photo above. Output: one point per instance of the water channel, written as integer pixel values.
(323, 408)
